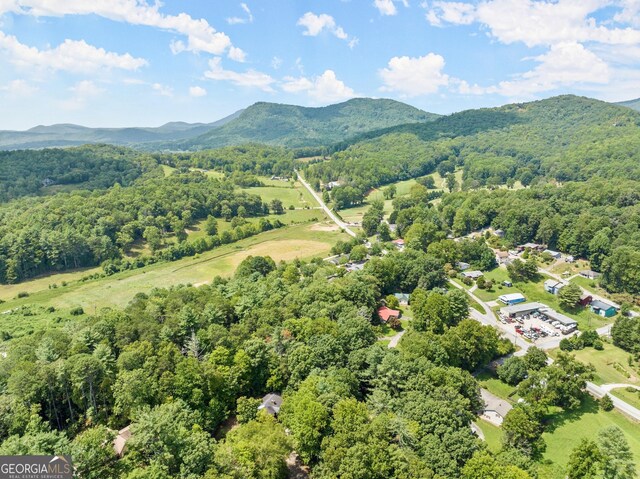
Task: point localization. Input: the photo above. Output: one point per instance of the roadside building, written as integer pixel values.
(472, 274)
(585, 299)
(513, 298)
(387, 313)
(603, 309)
(552, 286)
(522, 309)
(587, 273)
(567, 325)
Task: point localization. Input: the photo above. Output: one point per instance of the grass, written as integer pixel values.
(564, 431)
(299, 241)
(491, 383)
(609, 363)
(492, 435)
(631, 397)
(384, 342)
(287, 194)
(168, 170)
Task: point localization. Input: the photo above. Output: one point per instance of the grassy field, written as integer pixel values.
(299, 241)
(612, 364)
(492, 435)
(631, 397)
(564, 431)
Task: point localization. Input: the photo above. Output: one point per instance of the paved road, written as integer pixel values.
(624, 407)
(609, 387)
(326, 209)
(396, 339)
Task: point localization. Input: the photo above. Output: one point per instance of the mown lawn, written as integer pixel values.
(492, 435)
(612, 364)
(565, 429)
(490, 382)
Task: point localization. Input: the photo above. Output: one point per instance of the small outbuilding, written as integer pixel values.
(403, 298)
(552, 286)
(121, 439)
(462, 266)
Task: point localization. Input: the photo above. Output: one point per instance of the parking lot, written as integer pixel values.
(533, 327)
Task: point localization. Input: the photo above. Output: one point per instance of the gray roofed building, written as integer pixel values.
(521, 309)
(271, 403)
(561, 318)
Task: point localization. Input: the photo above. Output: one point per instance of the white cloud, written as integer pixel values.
(566, 64)
(536, 22)
(251, 78)
(241, 20)
(201, 37)
(197, 91)
(19, 88)
(414, 76)
(325, 88)
(237, 54)
(72, 56)
(162, 90)
(82, 92)
(388, 7)
(276, 63)
(316, 24)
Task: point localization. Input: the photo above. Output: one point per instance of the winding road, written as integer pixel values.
(326, 209)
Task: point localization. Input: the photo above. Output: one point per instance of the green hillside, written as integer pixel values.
(634, 104)
(562, 138)
(296, 126)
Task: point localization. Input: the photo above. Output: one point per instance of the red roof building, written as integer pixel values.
(387, 313)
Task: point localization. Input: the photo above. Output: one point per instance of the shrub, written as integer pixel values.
(606, 403)
(23, 294)
(78, 311)
(598, 345)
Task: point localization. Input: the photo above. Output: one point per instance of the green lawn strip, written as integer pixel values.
(492, 434)
(491, 383)
(384, 342)
(630, 396)
(612, 364)
(565, 429)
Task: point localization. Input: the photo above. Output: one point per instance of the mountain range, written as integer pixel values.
(267, 123)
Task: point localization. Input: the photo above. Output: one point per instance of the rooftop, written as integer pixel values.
(387, 313)
(521, 308)
(271, 403)
(597, 304)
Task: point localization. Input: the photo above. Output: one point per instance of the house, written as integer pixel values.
(502, 257)
(331, 185)
(552, 286)
(355, 265)
(533, 246)
(399, 243)
(554, 254)
(271, 403)
(511, 299)
(121, 440)
(387, 313)
(472, 274)
(603, 309)
(517, 310)
(585, 299)
(462, 265)
(403, 298)
(499, 233)
(570, 259)
(589, 274)
(495, 408)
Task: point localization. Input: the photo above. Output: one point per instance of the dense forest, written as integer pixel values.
(29, 172)
(83, 228)
(563, 138)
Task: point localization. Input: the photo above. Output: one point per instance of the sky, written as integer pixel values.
(141, 63)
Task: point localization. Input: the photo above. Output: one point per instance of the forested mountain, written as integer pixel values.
(70, 135)
(562, 138)
(635, 104)
(31, 172)
(296, 126)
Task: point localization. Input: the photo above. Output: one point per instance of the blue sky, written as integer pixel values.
(139, 63)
